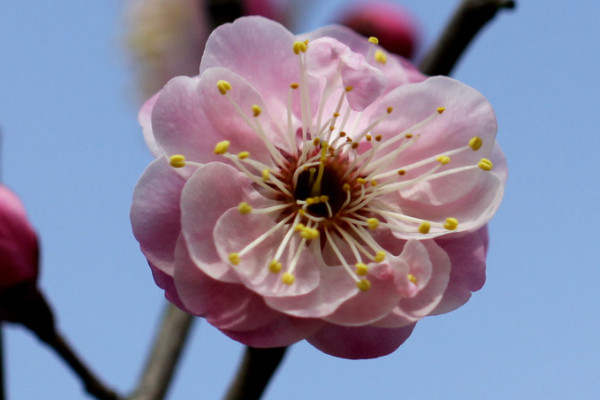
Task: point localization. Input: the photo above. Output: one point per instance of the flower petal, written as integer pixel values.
(359, 342)
(467, 254)
(155, 214)
(224, 305)
(213, 189)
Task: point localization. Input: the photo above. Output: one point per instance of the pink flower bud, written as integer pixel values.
(18, 243)
(395, 27)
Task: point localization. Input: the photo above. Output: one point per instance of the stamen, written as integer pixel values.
(256, 110)
(411, 278)
(424, 227)
(373, 40)
(244, 208)
(451, 224)
(177, 161)
(234, 258)
(475, 143)
(223, 86)
(243, 155)
(361, 269)
(275, 266)
(287, 278)
(485, 164)
(221, 147)
(380, 57)
(363, 285)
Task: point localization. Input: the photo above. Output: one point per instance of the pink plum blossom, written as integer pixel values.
(316, 187)
(19, 254)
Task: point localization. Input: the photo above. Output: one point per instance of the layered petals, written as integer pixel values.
(316, 187)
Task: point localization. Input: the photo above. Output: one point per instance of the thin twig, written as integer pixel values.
(467, 21)
(254, 373)
(163, 359)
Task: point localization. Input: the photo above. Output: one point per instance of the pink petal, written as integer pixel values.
(190, 117)
(366, 307)
(234, 231)
(211, 191)
(258, 49)
(155, 214)
(225, 305)
(145, 120)
(284, 331)
(167, 283)
(359, 342)
(467, 255)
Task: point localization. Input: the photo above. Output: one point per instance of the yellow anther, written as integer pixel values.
(177, 161)
(332, 128)
(316, 141)
(234, 258)
(265, 174)
(336, 114)
(440, 110)
(485, 164)
(221, 147)
(443, 160)
(424, 227)
(401, 172)
(302, 212)
(372, 223)
(309, 233)
(380, 57)
(299, 227)
(288, 278)
(378, 138)
(374, 40)
(368, 137)
(412, 278)
(348, 140)
(373, 182)
(363, 285)
(243, 154)
(349, 88)
(361, 181)
(361, 269)
(346, 187)
(380, 256)
(451, 224)
(324, 198)
(299, 47)
(244, 208)
(294, 86)
(475, 143)
(256, 110)
(354, 145)
(275, 266)
(389, 110)
(310, 201)
(408, 135)
(223, 86)
(342, 134)
(306, 42)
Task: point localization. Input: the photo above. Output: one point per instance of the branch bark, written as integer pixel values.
(254, 373)
(166, 351)
(470, 17)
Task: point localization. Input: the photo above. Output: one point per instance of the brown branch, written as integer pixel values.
(254, 373)
(467, 21)
(166, 351)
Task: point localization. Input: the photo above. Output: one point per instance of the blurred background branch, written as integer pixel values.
(469, 18)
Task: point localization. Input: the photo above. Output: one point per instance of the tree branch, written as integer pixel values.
(467, 21)
(163, 359)
(254, 373)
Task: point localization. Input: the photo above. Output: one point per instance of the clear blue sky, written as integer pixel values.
(73, 151)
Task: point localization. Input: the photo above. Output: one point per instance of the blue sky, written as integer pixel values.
(73, 151)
